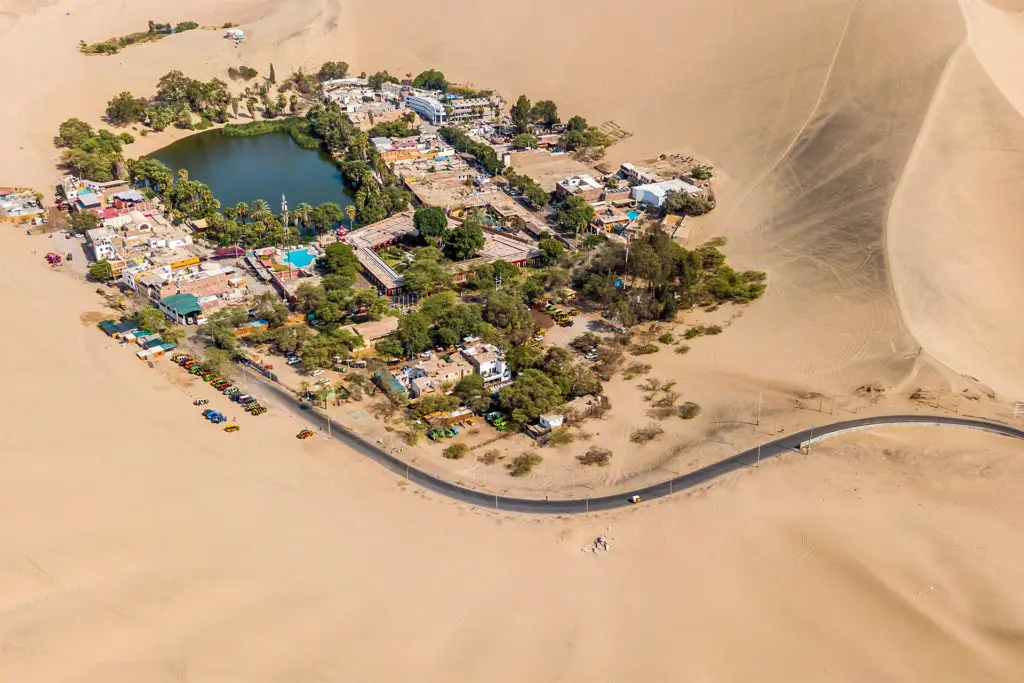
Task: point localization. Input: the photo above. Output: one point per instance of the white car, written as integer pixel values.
(316, 373)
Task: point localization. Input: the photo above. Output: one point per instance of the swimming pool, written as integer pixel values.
(300, 258)
(633, 215)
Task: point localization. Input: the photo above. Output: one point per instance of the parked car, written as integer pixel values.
(316, 373)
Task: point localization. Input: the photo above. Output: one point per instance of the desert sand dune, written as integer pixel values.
(860, 143)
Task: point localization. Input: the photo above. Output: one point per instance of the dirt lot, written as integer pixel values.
(547, 169)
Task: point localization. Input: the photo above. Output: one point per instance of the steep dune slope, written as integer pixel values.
(955, 231)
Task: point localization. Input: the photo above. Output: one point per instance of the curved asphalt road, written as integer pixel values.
(788, 444)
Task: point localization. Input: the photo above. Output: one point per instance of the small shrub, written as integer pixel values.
(595, 456)
(667, 338)
(204, 124)
(457, 451)
(643, 349)
(702, 330)
(491, 457)
(635, 369)
(645, 434)
(667, 401)
(523, 464)
(689, 410)
(561, 437)
(711, 309)
(651, 384)
(683, 349)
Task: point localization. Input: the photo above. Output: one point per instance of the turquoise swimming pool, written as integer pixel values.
(633, 215)
(300, 258)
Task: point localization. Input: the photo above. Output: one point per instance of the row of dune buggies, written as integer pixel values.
(248, 403)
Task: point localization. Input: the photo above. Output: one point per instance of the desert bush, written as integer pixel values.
(667, 338)
(689, 410)
(651, 384)
(667, 401)
(645, 434)
(523, 464)
(683, 349)
(643, 349)
(702, 330)
(457, 451)
(595, 456)
(490, 457)
(635, 369)
(561, 437)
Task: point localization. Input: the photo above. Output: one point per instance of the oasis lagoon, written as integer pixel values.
(242, 169)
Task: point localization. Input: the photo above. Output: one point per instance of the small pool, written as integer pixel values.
(300, 258)
(633, 215)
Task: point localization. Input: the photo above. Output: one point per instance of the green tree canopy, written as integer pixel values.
(532, 394)
(525, 141)
(414, 333)
(330, 71)
(551, 250)
(431, 79)
(471, 391)
(151, 172)
(521, 114)
(125, 108)
(574, 214)
(430, 221)
(101, 271)
(426, 273)
(380, 78)
(546, 113)
(465, 240)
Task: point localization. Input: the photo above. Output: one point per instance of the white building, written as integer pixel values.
(488, 361)
(437, 375)
(638, 174)
(438, 108)
(427, 106)
(655, 193)
(102, 242)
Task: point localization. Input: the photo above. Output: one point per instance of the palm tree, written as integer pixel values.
(260, 210)
(361, 140)
(350, 213)
(250, 106)
(230, 213)
(301, 213)
(293, 104)
(242, 211)
(234, 106)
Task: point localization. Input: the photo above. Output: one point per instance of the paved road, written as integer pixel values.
(791, 443)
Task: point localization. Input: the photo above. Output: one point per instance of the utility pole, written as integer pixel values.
(810, 440)
(938, 399)
(758, 455)
(758, 418)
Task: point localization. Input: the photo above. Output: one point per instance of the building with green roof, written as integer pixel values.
(183, 309)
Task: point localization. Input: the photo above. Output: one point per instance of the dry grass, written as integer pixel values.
(523, 464)
(646, 434)
(595, 456)
(490, 457)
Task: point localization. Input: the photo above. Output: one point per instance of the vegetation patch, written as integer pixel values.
(112, 46)
(689, 410)
(683, 349)
(635, 370)
(645, 434)
(643, 349)
(491, 457)
(595, 456)
(523, 464)
(456, 451)
(703, 330)
(561, 436)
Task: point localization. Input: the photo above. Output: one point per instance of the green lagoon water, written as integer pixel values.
(241, 169)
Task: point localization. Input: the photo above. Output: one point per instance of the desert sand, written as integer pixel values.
(867, 152)
(141, 543)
